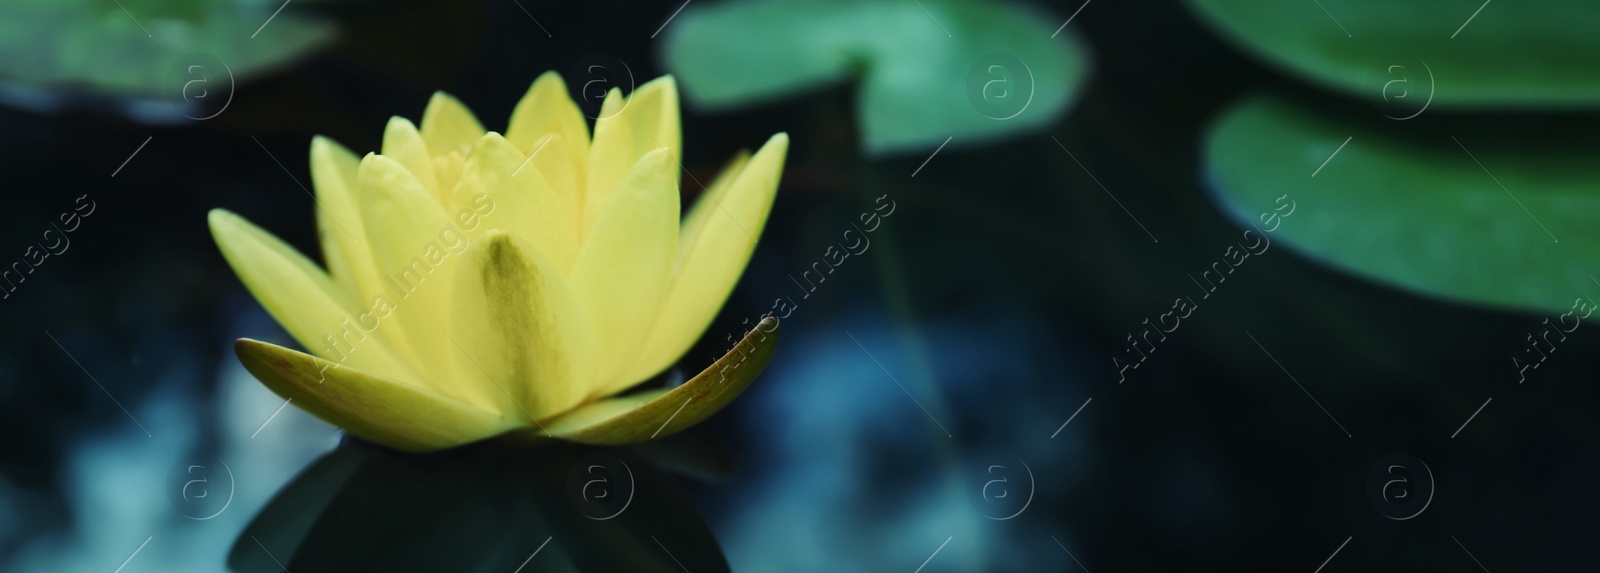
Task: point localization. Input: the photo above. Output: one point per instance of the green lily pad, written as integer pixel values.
(929, 71)
(1418, 211)
(130, 52)
(1479, 54)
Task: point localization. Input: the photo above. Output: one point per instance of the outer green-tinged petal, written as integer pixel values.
(298, 294)
(602, 410)
(409, 249)
(402, 143)
(719, 236)
(526, 205)
(622, 270)
(384, 411)
(447, 125)
(611, 154)
(517, 327)
(545, 110)
(662, 414)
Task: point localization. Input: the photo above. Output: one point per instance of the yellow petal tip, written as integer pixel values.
(221, 221)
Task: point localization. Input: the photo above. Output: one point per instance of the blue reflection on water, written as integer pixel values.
(848, 473)
(118, 482)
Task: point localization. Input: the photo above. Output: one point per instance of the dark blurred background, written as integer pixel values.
(994, 299)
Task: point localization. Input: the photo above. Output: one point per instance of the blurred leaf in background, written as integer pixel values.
(1502, 219)
(128, 49)
(1502, 55)
(1417, 212)
(929, 71)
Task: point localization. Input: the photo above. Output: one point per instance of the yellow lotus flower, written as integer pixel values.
(479, 284)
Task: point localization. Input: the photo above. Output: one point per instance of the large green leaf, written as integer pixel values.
(131, 51)
(1419, 211)
(923, 66)
(1508, 54)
